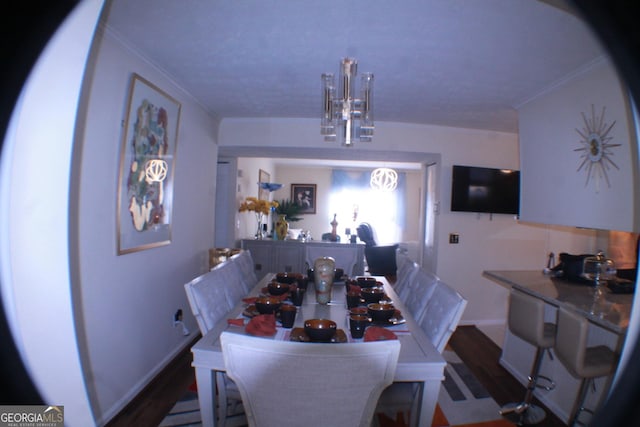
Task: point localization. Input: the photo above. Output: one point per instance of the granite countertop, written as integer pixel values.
(609, 310)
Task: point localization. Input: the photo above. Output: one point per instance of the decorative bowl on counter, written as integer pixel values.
(320, 330)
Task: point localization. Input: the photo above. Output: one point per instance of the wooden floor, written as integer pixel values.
(472, 346)
(482, 356)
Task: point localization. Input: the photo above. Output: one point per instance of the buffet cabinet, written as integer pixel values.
(297, 257)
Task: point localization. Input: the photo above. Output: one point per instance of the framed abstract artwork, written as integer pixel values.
(147, 162)
(305, 196)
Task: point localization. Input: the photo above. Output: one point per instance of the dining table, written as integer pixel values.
(419, 361)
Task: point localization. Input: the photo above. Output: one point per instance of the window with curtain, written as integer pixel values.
(354, 201)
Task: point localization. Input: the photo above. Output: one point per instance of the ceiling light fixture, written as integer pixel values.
(384, 179)
(340, 113)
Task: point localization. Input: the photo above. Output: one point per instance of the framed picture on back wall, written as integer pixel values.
(305, 196)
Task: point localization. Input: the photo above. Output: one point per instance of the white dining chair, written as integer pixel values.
(207, 299)
(442, 314)
(229, 276)
(245, 263)
(417, 292)
(292, 384)
(209, 304)
(440, 318)
(406, 271)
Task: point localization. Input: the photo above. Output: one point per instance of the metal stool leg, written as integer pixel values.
(526, 413)
(578, 407)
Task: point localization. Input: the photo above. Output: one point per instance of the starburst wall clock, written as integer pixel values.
(596, 148)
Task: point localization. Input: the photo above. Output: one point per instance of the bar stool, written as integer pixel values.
(526, 321)
(586, 363)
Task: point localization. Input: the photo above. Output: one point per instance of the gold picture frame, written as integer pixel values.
(147, 162)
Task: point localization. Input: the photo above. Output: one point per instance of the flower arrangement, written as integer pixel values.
(260, 208)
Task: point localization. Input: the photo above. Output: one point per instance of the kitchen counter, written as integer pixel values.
(606, 309)
(608, 312)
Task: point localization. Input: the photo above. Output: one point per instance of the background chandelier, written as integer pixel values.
(384, 179)
(340, 113)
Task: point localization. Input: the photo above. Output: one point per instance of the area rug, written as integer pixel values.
(462, 402)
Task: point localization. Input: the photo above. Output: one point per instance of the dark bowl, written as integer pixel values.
(381, 312)
(320, 330)
(277, 288)
(287, 278)
(370, 295)
(359, 311)
(366, 282)
(267, 304)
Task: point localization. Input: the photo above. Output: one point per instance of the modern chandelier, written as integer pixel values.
(384, 179)
(341, 111)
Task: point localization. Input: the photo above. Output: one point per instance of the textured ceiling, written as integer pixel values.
(463, 63)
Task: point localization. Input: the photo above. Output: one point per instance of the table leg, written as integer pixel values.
(206, 381)
(428, 399)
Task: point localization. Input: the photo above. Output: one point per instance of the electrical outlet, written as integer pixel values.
(177, 317)
(454, 238)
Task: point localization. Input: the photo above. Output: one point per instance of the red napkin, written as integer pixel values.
(236, 322)
(262, 325)
(377, 333)
(249, 300)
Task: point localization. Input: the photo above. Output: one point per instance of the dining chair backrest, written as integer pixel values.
(406, 271)
(245, 263)
(417, 292)
(229, 276)
(285, 383)
(207, 299)
(442, 314)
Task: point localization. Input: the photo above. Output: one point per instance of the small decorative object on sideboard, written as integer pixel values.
(282, 227)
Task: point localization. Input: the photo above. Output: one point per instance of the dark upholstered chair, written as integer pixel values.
(365, 234)
(381, 260)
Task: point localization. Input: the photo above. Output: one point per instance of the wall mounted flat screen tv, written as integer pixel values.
(477, 189)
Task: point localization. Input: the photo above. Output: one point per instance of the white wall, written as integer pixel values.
(128, 301)
(554, 191)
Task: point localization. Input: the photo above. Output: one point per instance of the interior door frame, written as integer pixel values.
(430, 167)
